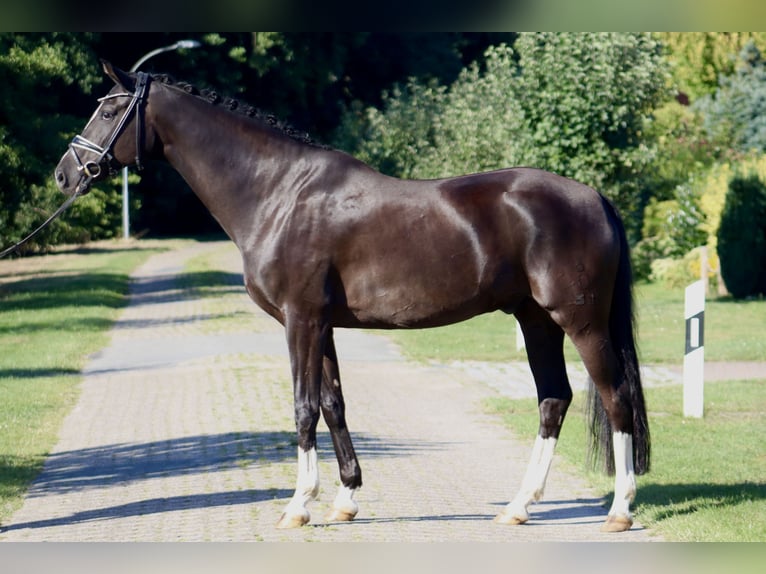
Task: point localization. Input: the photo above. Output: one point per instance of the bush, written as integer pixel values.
(677, 273)
(742, 237)
(647, 251)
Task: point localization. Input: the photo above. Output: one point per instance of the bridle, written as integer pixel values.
(94, 168)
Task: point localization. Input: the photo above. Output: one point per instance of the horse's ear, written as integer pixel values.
(118, 76)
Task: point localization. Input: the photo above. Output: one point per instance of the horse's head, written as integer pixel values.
(114, 137)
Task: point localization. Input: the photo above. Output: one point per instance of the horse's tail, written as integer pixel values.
(622, 333)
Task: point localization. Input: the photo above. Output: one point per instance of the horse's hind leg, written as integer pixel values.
(334, 412)
(544, 341)
(596, 350)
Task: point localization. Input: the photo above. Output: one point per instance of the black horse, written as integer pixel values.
(328, 242)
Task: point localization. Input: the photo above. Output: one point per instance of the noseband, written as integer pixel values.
(93, 168)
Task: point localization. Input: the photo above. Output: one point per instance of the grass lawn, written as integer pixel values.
(733, 332)
(708, 477)
(54, 311)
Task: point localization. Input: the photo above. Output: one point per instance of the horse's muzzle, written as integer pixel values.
(81, 185)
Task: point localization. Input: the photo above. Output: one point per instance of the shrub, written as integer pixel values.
(677, 273)
(742, 237)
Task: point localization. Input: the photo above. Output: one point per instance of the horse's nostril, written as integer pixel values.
(60, 177)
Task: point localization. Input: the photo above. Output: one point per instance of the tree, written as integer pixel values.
(585, 99)
(742, 237)
(393, 138)
(698, 59)
(424, 130)
(575, 104)
(736, 114)
(39, 75)
(480, 124)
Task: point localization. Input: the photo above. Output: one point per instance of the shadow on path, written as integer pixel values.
(110, 465)
(156, 505)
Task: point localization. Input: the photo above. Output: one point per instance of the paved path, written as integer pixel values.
(184, 432)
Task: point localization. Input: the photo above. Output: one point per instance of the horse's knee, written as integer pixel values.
(306, 419)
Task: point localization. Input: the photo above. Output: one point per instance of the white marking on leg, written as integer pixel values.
(624, 475)
(344, 507)
(533, 484)
(306, 490)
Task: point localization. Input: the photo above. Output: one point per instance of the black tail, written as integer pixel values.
(621, 329)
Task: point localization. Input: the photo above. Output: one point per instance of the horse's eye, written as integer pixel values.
(107, 115)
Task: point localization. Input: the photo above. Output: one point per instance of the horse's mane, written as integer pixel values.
(238, 107)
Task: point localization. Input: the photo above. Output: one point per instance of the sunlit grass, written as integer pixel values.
(708, 477)
(733, 332)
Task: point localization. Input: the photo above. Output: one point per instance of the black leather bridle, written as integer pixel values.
(104, 158)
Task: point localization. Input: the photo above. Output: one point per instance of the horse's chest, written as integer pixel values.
(262, 297)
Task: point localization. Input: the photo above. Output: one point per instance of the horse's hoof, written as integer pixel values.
(339, 515)
(293, 520)
(616, 523)
(511, 519)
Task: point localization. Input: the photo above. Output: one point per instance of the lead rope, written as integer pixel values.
(46, 223)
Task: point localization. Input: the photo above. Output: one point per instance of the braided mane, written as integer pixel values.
(236, 106)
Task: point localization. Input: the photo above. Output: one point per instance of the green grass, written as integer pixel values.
(733, 332)
(708, 477)
(54, 312)
(733, 329)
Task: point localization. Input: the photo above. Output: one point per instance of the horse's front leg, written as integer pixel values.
(334, 411)
(305, 340)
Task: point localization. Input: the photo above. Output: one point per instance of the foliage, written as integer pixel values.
(682, 150)
(585, 98)
(394, 139)
(698, 59)
(670, 229)
(742, 236)
(570, 103)
(38, 73)
(589, 106)
(676, 273)
(648, 250)
(736, 115)
(689, 172)
(479, 126)
(674, 227)
(677, 220)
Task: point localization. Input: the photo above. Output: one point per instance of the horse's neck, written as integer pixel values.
(228, 164)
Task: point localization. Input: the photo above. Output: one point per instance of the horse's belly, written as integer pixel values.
(420, 300)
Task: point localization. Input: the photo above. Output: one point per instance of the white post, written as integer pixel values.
(694, 357)
(125, 205)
